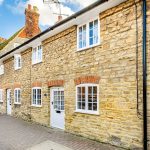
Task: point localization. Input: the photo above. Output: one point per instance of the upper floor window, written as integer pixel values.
(17, 61)
(1, 69)
(37, 54)
(1, 95)
(36, 96)
(16, 45)
(87, 98)
(88, 34)
(17, 96)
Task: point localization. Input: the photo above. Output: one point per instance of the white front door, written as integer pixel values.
(57, 116)
(8, 101)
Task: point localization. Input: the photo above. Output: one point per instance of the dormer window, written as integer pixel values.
(37, 54)
(16, 45)
(1, 69)
(88, 35)
(17, 61)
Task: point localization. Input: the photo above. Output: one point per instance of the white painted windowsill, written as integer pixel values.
(87, 112)
(39, 106)
(17, 103)
(88, 47)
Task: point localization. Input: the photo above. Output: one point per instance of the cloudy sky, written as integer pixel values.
(12, 13)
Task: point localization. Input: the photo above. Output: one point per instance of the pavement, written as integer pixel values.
(16, 134)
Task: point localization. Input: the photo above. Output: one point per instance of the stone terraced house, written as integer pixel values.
(83, 75)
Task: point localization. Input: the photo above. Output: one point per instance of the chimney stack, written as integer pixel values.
(32, 21)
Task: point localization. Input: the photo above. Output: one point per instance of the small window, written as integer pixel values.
(16, 45)
(1, 69)
(17, 96)
(88, 34)
(59, 100)
(17, 61)
(37, 54)
(1, 95)
(87, 98)
(36, 97)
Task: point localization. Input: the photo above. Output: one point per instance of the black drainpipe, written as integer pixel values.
(144, 78)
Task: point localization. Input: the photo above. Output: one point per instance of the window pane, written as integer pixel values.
(95, 106)
(19, 62)
(39, 53)
(80, 37)
(38, 96)
(15, 95)
(19, 96)
(84, 36)
(91, 41)
(34, 55)
(34, 96)
(95, 31)
(79, 90)
(91, 25)
(79, 105)
(0, 95)
(90, 106)
(94, 90)
(83, 105)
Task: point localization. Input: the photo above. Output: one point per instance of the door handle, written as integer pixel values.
(52, 103)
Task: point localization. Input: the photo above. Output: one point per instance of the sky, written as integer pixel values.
(12, 17)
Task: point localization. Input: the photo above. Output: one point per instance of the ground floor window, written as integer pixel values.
(87, 98)
(17, 96)
(1, 95)
(36, 96)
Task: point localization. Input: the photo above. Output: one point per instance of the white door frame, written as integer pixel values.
(57, 118)
(8, 101)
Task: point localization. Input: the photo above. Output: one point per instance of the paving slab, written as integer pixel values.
(16, 134)
(49, 145)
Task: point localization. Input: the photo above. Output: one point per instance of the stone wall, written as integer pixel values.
(112, 65)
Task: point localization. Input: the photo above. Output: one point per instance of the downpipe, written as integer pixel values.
(144, 77)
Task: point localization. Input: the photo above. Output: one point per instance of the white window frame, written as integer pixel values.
(87, 34)
(36, 105)
(16, 98)
(1, 95)
(1, 69)
(16, 61)
(36, 54)
(86, 111)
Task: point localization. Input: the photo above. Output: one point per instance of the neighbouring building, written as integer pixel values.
(82, 75)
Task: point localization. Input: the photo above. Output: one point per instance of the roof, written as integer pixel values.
(109, 4)
(2, 39)
(5, 42)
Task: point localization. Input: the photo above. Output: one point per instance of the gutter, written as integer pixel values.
(97, 3)
(144, 77)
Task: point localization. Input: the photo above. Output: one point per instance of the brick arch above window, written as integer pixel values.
(55, 83)
(17, 85)
(37, 84)
(87, 79)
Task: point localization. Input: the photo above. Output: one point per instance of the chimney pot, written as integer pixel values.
(59, 18)
(29, 7)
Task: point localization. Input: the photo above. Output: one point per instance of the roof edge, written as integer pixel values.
(97, 3)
